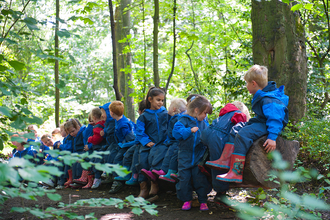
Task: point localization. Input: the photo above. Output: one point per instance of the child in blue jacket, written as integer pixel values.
(216, 136)
(73, 128)
(270, 106)
(124, 133)
(191, 150)
(151, 130)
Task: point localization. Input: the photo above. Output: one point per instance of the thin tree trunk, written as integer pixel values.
(174, 48)
(114, 56)
(155, 45)
(279, 44)
(56, 68)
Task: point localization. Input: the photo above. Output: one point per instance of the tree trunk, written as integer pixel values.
(114, 55)
(155, 44)
(279, 44)
(257, 165)
(56, 68)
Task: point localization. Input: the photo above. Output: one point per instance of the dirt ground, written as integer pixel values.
(168, 206)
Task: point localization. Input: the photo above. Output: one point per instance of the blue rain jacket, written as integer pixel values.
(78, 141)
(270, 106)
(109, 129)
(87, 133)
(152, 126)
(124, 130)
(67, 143)
(191, 149)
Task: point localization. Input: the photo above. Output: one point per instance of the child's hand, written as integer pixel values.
(102, 133)
(86, 148)
(194, 129)
(150, 144)
(269, 145)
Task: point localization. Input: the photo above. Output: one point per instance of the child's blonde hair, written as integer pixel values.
(259, 74)
(242, 108)
(199, 102)
(96, 112)
(179, 104)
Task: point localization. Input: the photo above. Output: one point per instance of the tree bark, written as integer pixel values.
(56, 68)
(173, 56)
(279, 44)
(114, 56)
(155, 45)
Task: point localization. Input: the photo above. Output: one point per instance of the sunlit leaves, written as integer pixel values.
(31, 23)
(16, 65)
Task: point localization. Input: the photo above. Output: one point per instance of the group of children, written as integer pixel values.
(170, 145)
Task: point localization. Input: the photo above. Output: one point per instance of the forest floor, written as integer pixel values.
(168, 206)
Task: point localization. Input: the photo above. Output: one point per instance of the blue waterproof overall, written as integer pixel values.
(78, 147)
(191, 151)
(151, 127)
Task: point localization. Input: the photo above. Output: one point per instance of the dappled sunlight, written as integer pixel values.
(117, 216)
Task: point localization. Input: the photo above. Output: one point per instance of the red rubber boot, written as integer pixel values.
(90, 182)
(83, 179)
(235, 173)
(224, 161)
(67, 183)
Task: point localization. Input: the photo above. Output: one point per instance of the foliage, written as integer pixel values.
(15, 174)
(287, 204)
(313, 134)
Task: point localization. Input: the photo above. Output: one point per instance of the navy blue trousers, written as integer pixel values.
(128, 157)
(143, 162)
(192, 179)
(156, 156)
(171, 158)
(113, 149)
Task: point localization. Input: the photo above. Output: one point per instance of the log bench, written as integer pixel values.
(257, 165)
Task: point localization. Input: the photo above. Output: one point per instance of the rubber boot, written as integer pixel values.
(133, 181)
(167, 177)
(154, 188)
(67, 183)
(223, 163)
(83, 179)
(143, 189)
(235, 173)
(90, 182)
(157, 173)
(149, 175)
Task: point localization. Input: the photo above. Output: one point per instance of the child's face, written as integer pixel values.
(47, 141)
(171, 110)
(73, 131)
(156, 102)
(63, 132)
(252, 87)
(104, 115)
(202, 115)
(34, 130)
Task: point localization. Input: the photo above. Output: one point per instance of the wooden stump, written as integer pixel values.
(257, 165)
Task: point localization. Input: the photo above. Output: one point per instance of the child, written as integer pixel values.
(151, 130)
(97, 141)
(215, 137)
(169, 164)
(56, 135)
(191, 150)
(21, 151)
(66, 145)
(73, 128)
(270, 106)
(123, 134)
(34, 129)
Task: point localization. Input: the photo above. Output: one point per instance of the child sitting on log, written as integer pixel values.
(270, 106)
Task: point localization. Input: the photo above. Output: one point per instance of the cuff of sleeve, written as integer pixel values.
(272, 136)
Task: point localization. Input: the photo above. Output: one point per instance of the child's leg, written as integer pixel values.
(247, 135)
(158, 156)
(201, 185)
(143, 162)
(183, 187)
(128, 157)
(168, 156)
(114, 148)
(174, 160)
(76, 170)
(120, 155)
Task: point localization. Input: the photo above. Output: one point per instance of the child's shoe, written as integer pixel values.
(90, 182)
(59, 187)
(175, 177)
(203, 207)
(125, 178)
(149, 175)
(132, 182)
(157, 173)
(186, 205)
(96, 183)
(167, 178)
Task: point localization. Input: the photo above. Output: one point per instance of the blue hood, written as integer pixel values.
(107, 111)
(272, 91)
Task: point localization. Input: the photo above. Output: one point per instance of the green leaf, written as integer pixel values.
(16, 65)
(18, 123)
(308, 6)
(18, 139)
(63, 33)
(72, 58)
(286, 1)
(33, 120)
(137, 211)
(85, 166)
(151, 211)
(54, 197)
(3, 68)
(1, 144)
(296, 7)
(18, 209)
(5, 111)
(31, 23)
(262, 196)
(88, 21)
(61, 84)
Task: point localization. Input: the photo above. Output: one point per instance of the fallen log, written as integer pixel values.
(257, 165)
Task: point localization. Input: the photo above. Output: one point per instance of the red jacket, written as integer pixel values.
(97, 138)
(237, 117)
